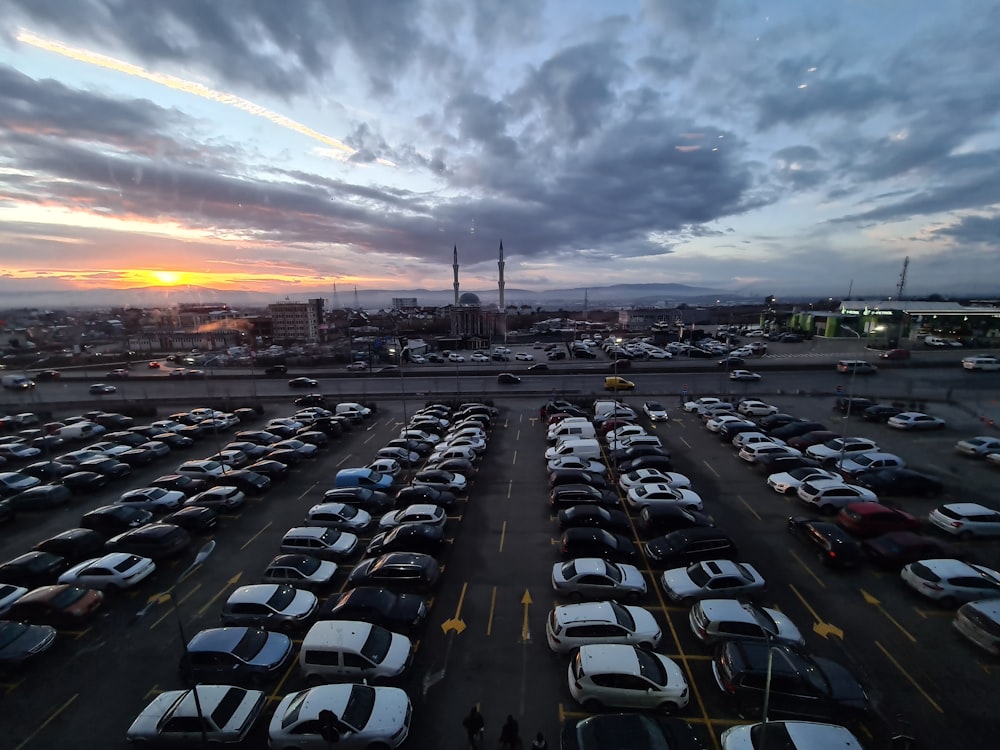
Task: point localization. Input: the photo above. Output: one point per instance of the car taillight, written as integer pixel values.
(831, 554)
(956, 524)
(577, 685)
(565, 549)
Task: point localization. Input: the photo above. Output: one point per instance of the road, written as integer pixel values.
(485, 637)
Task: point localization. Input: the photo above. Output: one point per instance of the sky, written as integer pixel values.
(761, 147)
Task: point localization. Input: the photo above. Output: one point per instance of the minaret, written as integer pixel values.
(454, 266)
(501, 281)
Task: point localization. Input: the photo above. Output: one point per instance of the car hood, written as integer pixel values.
(844, 686)
(34, 639)
(275, 649)
(390, 712)
(678, 581)
(409, 608)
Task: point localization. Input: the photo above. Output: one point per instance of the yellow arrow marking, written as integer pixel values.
(526, 601)
(456, 623)
(869, 599)
(231, 582)
(820, 628)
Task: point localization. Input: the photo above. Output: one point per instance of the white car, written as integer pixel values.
(427, 514)
(713, 620)
(966, 520)
(701, 403)
(477, 444)
(711, 579)
(980, 623)
(362, 716)
(465, 432)
(595, 578)
(479, 357)
(418, 359)
(663, 494)
(789, 735)
(979, 447)
(115, 571)
(833, 449)
(338, 516)
(201, 469)
(630, 441)
(573, 625)
(744, 376)
(19, 451)
(284, 422)
(743, 439)
(621, 676)
(753, 452)
(756, 409)
(221, 498)
(154, 497)
(174, 718)
(830, 495)
(951, 582)
(524, 357)
(656, 411)
(915, 420)
(626, 430)
(453, 357)
(12, 482)
(788, 482)
(717, 422)
(641, 477)
(575, 462)
(421, 435)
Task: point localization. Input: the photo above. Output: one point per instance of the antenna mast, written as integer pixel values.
(902, 279)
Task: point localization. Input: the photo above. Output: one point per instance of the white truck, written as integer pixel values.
(982, 362)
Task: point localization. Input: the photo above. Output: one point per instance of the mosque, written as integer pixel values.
(472, 323)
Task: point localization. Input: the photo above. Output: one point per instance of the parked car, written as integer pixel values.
(596, 578)
(898, 548)
(303, 571)
(587, 515)
(271, 606)
(236, 654)
(597, 542)
(711, 579)
(424, 538)
(977, 447)
(399, 613)
(864, 520)
(630, 730)
(33, 569)
(20, 641)
(664, 519)
(880, 412)
(622, 676)
(915, 420)
(398, 571)
(830, 495)
(980, 623)
(175, 718)
(898, 481)
(115, 571)
(573, 625)
(715, 620)
(194, 519)
(73, 545)
(109, 520)
(966, 520)
(951, 582)
(158, 541)
(60, 605)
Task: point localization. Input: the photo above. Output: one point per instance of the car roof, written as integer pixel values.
(968, 509)
(216, 639)
(617, 658)
(256, 592)
(347, 633)
(584, 612)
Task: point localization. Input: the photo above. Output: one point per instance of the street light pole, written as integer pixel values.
(850, 402)
(402, 381)
(203, 554)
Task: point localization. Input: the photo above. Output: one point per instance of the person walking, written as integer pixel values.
(510, 735)
(475, 726)
(539, 742)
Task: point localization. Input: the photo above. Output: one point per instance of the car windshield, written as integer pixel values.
(651, 667)
(359, 707)
(281, 598)
(68, 597)
(698, 575)
(348, 512)
(228, 706)
(10, 632)
(612, 571)
(623, 617)
(250, 644)
(377, 644)
(307, 565)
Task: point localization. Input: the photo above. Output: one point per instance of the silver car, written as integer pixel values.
(269, 605)
(711, 578)
(594, 578)
(789, 735)
(224, 713)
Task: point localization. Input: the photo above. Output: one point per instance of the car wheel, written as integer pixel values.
(948, 602)
(667, 707)
(592, 705)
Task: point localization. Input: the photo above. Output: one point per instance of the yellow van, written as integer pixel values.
(615, 383)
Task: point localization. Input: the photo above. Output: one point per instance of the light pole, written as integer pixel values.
(203, 554)
(850, 402)
(769, 638)
(402, 382)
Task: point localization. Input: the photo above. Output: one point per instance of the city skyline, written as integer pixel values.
(755, 148)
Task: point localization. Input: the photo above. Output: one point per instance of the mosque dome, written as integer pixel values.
(470, 299)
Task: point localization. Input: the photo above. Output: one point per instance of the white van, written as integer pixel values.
(577, 447)
(352, 406)
(577, 430)
(352, 650)
(80, 431)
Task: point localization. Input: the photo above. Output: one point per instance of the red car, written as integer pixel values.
(899, 548)
(866, 520)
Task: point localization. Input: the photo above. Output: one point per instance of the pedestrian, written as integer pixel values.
(539, 742)
(510, 735)
(475, 726)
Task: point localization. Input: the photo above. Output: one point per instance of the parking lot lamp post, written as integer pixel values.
(402, 382)
(203, 554)
(850, 401)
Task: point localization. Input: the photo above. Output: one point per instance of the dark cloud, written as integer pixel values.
(975, 230)
(681, 17)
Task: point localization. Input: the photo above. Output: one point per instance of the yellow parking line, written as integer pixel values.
(711, 469)
(909, 677)
(749, 507)
(493, 609)
(503, 535)
(52, 717)
(251, 539)
(807, 569)
(685, 442)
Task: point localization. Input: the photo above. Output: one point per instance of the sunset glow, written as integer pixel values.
(167, 278)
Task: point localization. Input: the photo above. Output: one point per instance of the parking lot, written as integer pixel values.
(485, 637)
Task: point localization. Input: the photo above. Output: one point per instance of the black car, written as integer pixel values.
(373, 501)
(85, 481)
(852, 405)
(455, 465)
(832, 545)
(880, 412)
(253, 451)
(271, 468)
(302, 383)
(195, 519)
(592, 542)
(7, 512)
(330, 426)
(260, 437)
(48, 443)
(137, 456)
(40, 497)
(313, 437)
(508, 378)
(75, 545)
(587, 515)
(654, 520)
(897, 481)
(794, 429)
(678, 549)
(399, 571)
(190, 486)
(114, 421)
(249, 482)
(130, 439)
(282, 431)
(899, 548)
(699, 353)
(663, 463)
(628, 731)
(109, 467)
(623, 455)
(559, 477)
(731, 362)
(173, 440)
(774, 421)
(414, 537)
(276, 370)
(565, 495)
(33, 569)
(414, 446)
(424, 494)
(311, 399)
(400, 613)
(801, 684)
(777, 462)
(729, 430)
(48, 470)
(286, 456)
(114, 519)
(157, 541)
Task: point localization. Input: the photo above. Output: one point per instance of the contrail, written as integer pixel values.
(189, 87)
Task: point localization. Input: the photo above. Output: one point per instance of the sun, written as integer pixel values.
(167, 278)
